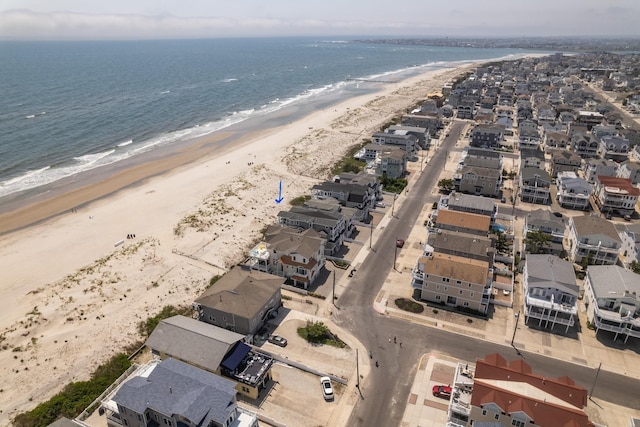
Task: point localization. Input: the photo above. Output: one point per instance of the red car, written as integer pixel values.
(399, 243)
(443, 391)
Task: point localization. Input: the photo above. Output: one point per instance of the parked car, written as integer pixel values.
(278, 340)
(380, 205)
(443, 391)
(327, 389)
(558, 214)
(399, 243)
(627, 217)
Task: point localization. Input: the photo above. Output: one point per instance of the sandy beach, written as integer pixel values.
(75, 286)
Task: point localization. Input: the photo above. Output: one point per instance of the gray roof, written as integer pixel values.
(544, 218)
(482, 152)
(483, 162)
(312, 216)
(549, 271)
(284, 239)
(242, 292)
(461, 201)
(592, 225)
(613, 281)
(480, 171)
(459, 243)
(193, 341)
(531, 152)
(531, 172)
(176, 388)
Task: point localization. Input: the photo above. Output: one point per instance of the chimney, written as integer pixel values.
(170, 389)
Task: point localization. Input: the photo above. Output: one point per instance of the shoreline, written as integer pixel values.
(78, 288)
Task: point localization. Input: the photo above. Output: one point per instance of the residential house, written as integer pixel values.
(532, 157)
(584, 145)
(392, 163)
(546, 113)
(404, 140)
(466, 108)
(370, 152)
(487, 136)
(507, 394)
(469, 203)
(566, 117)
(431, 123)
(454, 281)
(592, 168)
(615, 195)
(614, 148)
(612, 298)
(461, 244)
(589, 118)
(528, 135)
(630, 247)
(629, 170)
(170, 392)
(295, 254)
(556, 140)
(550, 291)
(564, 161)
(214, 350)
(419, 132)
(594, 240)
(478, 181)
(543, 221)
(534, 185)
(329, 204)
(351, 195)
(573, 191)
(241, 301)
(482, 162)
(463, 222)
(332, 226)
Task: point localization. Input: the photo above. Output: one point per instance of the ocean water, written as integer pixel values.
(70, 107)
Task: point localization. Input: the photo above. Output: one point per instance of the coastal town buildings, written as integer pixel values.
(573, 192)
(615, 195)
(506, 394)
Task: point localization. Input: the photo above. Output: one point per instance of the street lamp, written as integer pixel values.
(394, 203)
(515, 327)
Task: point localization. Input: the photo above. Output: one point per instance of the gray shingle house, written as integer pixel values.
(174, 393)
(241, 300)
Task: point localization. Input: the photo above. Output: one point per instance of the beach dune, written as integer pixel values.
(82, 268)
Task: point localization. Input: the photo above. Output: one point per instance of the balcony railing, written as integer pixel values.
(551, 305)
(621, 328)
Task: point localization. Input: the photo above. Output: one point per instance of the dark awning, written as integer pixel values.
(234, 358)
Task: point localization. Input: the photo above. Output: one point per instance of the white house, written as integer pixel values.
(573, 191)
(593, 238)
(612, 298)
(550, 291)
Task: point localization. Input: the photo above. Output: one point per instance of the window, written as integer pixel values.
(460, 291)
(484, 412)
(466, 303)
(517, 423)
(211, 318)
(471, 295)
(437, 297)
(458, 282)
(496, 416)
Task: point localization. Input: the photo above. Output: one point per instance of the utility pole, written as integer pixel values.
(357, 370)
(395, 254)
(515, 328)
(393, 205)
(371, 232)
(595, 380)
(333, 296)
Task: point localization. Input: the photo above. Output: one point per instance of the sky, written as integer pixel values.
(171, 19)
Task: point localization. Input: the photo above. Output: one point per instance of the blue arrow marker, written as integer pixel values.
(280, 198)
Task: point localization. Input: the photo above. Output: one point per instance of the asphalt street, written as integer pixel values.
(385, 391)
